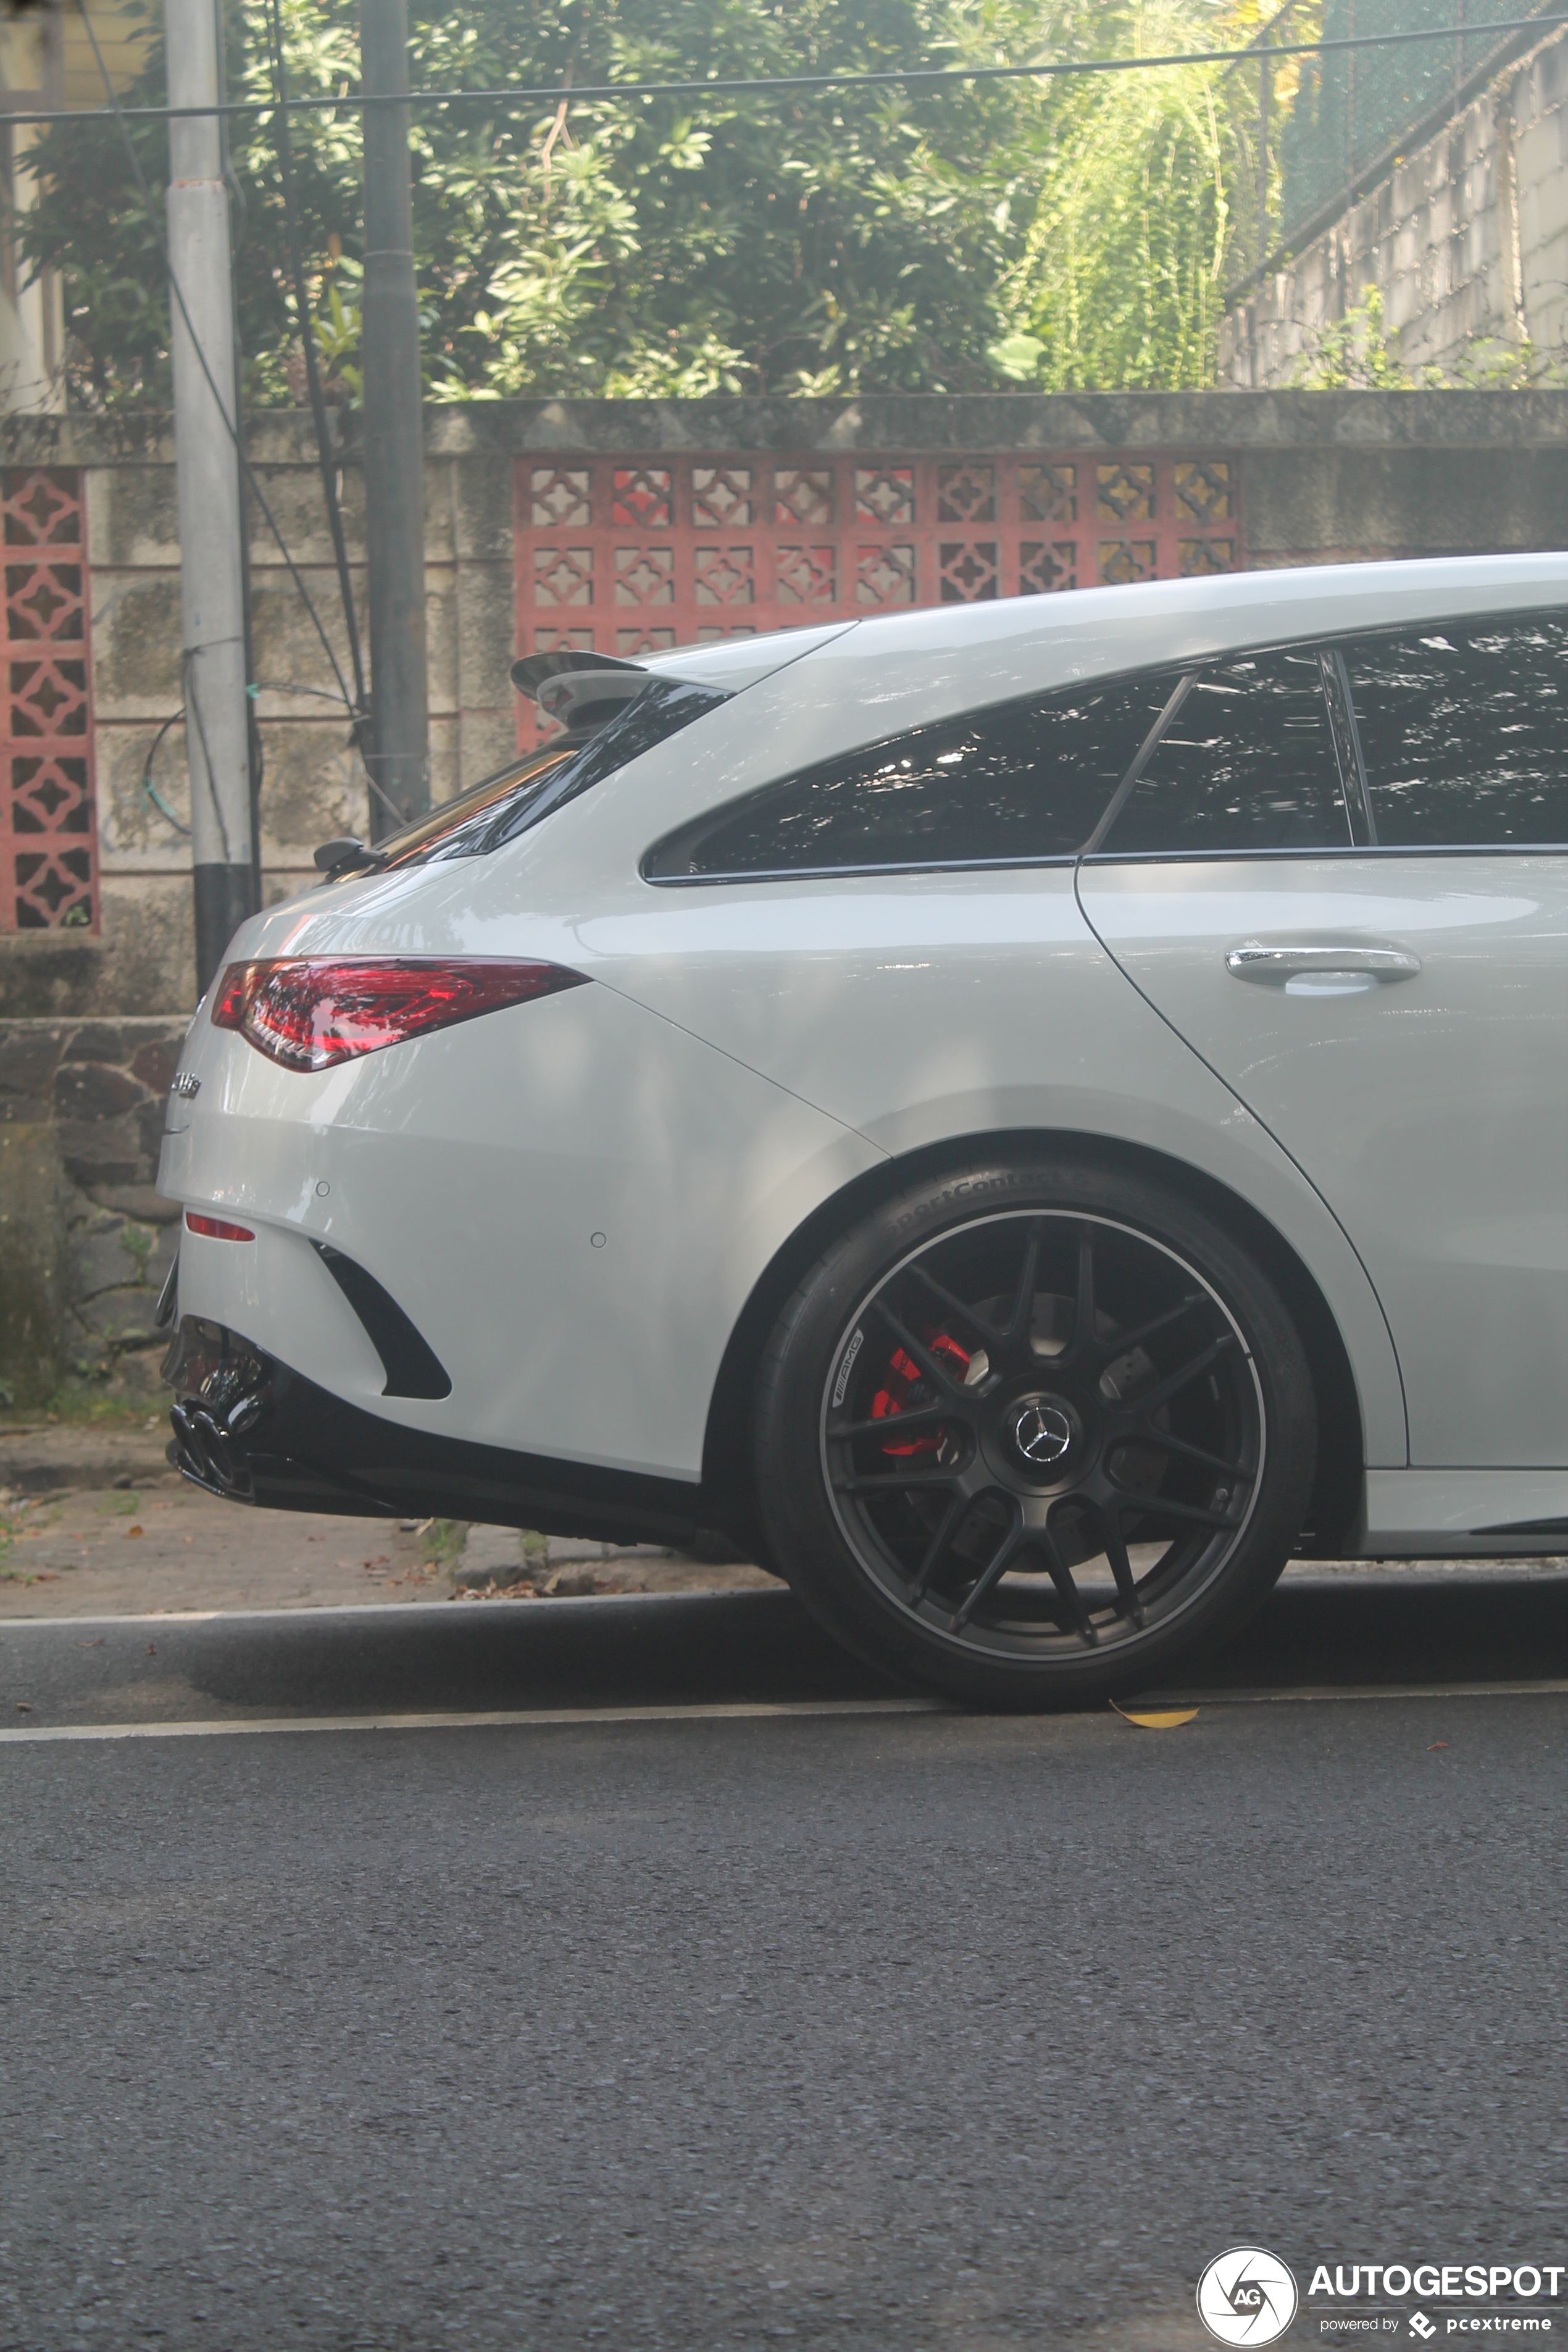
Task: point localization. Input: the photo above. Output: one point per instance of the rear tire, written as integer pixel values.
(1033, 1432)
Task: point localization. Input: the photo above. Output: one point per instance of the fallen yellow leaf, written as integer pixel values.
(1166, 1719)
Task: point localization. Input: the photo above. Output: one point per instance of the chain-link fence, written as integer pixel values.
(1352, 106)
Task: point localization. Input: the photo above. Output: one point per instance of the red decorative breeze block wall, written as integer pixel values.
(632, 555)
(48, 850)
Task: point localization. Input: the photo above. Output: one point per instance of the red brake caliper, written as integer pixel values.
(904, 1376)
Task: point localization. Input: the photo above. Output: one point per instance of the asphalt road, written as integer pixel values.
(839, 2027)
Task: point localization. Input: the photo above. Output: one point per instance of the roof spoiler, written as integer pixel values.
(566, 684)
(535, 670)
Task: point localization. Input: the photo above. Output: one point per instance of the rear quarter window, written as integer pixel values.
(1245, 761)
(1026, 782)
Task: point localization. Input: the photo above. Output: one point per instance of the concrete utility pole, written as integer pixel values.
(213, 677)
(399, 760)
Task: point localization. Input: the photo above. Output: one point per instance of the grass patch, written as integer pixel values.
(444, 1541)
(82, 1409)
(14, 1509)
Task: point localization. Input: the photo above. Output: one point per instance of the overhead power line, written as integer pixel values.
(898, 76)
(116, 113)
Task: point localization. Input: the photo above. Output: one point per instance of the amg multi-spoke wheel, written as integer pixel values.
(1030, 1433)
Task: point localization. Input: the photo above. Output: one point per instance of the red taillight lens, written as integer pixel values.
(308, 1012)
(217, 1229)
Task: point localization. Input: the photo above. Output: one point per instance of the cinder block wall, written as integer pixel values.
(1466, 242)
(313, 785)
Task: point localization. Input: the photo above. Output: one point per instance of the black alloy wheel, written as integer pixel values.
(1032, 1435)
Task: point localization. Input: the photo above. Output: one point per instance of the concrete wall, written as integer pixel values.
(1466, 242)
(85, 1240)
(1323, 476)
(314, 782)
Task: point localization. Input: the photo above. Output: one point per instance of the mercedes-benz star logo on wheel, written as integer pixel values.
(1246, 2296)
(1042, 1433)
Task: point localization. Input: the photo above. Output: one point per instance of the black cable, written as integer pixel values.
(119, 113)
(150, 789)
(901, 76)
(307, 345)
(194, 705)
(239, 222)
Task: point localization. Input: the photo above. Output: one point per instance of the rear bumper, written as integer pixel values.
(249, 1429)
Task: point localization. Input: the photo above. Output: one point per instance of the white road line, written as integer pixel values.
(539, 1718)
(517, 1718)
(1151, 1700)
(453, 1611)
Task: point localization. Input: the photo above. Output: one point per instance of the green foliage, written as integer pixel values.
(444, 1541)
(1064, 233)
(824, 240)
(1125, 202)
(1354, 353)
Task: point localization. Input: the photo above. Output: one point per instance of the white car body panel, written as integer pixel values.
(277, 1284)
(468, 1173)
(735, 663)
(746, 1050)
(1431, 1110)
(1460, 1513)
(919, 1007)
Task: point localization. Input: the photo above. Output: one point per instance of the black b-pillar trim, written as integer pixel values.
(412, 1367)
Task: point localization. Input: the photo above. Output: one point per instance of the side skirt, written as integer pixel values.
(1464, 1514)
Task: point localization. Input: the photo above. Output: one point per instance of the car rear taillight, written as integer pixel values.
(309, 1012)
(216, 1229)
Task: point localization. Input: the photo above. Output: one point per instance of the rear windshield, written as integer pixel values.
(516, 797)
(420, 839)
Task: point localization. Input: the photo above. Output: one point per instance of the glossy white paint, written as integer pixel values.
(277, 1283)
(1506, 1514)
(746, 1050)
(1429, 1108)
(732, 663)
(856, 685)
(468, 1172)
(919, 1007)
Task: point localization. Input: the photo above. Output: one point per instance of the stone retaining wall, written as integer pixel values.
(85, 1238)
(1466, 242)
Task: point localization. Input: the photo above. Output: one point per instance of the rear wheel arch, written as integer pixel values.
(727, 1473)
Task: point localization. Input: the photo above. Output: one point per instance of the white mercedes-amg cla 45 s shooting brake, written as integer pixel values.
(1024, 1115)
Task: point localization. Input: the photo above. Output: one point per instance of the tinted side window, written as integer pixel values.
(1029, 780)
(1246, 761)
(1464, 731)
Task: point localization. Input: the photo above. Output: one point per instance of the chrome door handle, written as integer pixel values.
(1276, 966)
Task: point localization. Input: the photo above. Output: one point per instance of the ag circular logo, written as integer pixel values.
(1247, 2296)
